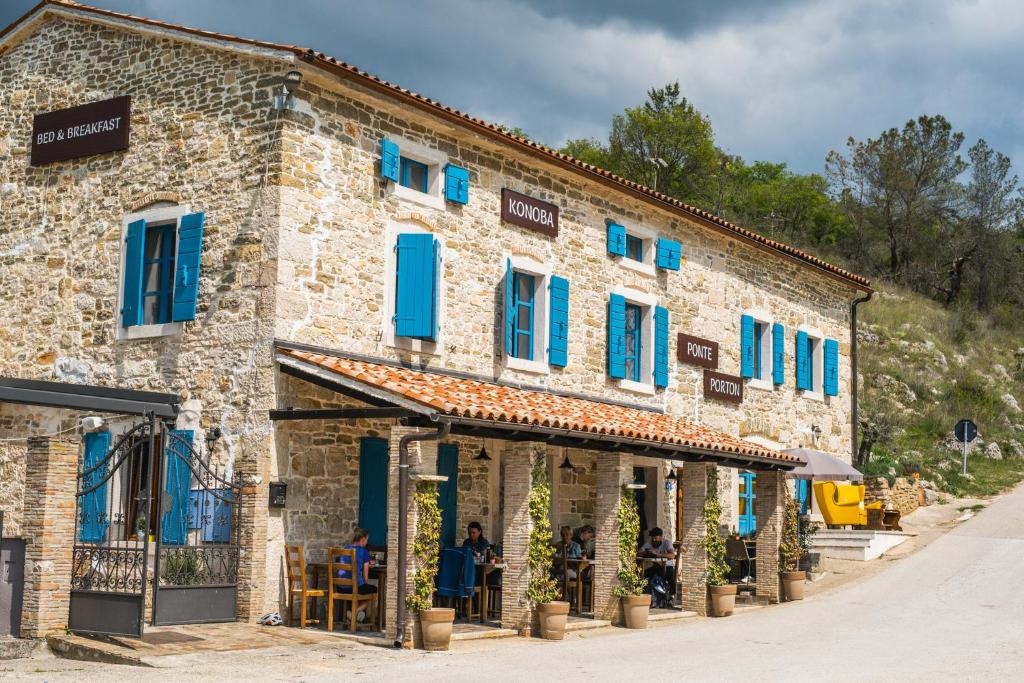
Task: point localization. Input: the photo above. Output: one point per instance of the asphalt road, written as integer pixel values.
(953, 611)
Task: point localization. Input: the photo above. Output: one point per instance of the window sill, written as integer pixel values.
(814, 395)
(761, 384)
(535, 366)
(638, 266)
(431, 348)
(415, 196)
(149, 331)
(637, 387)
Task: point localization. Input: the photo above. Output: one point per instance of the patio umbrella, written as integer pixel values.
(822, 466)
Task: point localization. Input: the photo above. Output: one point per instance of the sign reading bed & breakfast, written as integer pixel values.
(94, 128)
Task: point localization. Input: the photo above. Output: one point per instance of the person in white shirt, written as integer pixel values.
(659, 546)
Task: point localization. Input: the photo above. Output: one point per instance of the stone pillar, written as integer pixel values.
(693, 560)
(48, 528)
(613, 471)
(253, 471)
(516, 611)
(769, 505)
(422, 459)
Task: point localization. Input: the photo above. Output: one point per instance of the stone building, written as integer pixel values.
(281, 231)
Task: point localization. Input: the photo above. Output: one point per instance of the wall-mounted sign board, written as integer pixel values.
(525, 211)
(697, 351)
(82, 131)
(723, 387)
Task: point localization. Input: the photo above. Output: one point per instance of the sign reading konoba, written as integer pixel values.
(89, 129)
(523, 210)
(723, 387)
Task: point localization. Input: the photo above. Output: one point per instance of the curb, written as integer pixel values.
(86, 650)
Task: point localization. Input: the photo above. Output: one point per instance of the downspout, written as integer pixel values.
(855, 398)
(403, 518)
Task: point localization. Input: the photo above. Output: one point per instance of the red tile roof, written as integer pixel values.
(469, 398)
(346, 70)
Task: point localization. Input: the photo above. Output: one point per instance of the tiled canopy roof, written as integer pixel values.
(348, 71)
(468, 398)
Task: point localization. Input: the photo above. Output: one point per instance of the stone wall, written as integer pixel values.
(904, 494)
(573, 492)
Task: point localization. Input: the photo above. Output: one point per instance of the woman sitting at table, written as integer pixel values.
(479, 545)
(360, 538)
(569, 548)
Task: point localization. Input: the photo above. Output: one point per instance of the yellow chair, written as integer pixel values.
(843, 504)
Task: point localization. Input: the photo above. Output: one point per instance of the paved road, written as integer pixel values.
(953, 611)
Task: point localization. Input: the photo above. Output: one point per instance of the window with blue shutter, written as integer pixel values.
(523, 287)
(747, 517)
(134, 254)
(217, 519)
(634, 248)
(668, 253)
(389, 160)
(417, 286)
(804, 354)
(831, 379)
(93, 520)
(373, 488)
(616, 239)
(617, 336)
(158, 274)
(778, 354)
(414, 175)
(448, 492)
(456, 184)
(660, 346)
(758, 348)
(802, 497)
(186, 279)
(558, 335)
(177, 478)
(747, 346)
(633, 342)
(509, 306)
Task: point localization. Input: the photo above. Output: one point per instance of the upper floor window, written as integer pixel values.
(637, 341)
(762, 359)
(536, 316)
(641, 249)
(634, 248)
(634, 341)
(158, 273)
(413, 310)
(421, 174)
(523, 313)
(414, 174)
(817, 363)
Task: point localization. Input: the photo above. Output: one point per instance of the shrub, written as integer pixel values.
(182, 567)
(426, 547)
(631, 578)
(789, 548)
(714, 545)
(542, 587)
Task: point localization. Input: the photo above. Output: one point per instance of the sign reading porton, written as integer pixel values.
(89, 129)
(723, 387)
(525, 211)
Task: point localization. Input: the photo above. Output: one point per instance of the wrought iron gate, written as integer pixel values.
(152, 514)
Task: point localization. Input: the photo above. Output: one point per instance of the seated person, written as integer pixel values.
(571, 549)
(479, 545)
(360, 538)
(659, 546)
(585, 539)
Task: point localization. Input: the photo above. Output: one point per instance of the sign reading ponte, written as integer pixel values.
(94, 128)
(525, 211)
(723, 387)
(697, 351)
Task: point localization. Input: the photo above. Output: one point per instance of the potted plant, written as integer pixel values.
(435, 622)
(636, 604)
(542, 590)
(723, 593)
(806, 530)
(790, 552)
(140, 527)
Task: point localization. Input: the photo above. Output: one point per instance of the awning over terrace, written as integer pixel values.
(476, 407)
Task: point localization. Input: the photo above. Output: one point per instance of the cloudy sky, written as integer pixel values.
(782, 80)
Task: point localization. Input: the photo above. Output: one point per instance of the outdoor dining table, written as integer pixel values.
(576, 562)
(377, 571)
(483, 569)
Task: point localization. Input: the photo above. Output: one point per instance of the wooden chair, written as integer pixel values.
(298, 584)
(346, 589)
(584, 588)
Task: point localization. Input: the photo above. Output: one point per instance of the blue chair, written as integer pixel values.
(456, 578)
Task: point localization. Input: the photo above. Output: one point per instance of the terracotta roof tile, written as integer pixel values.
(461, 397)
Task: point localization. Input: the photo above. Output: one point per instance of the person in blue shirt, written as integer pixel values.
(360, 538)
(475, 538)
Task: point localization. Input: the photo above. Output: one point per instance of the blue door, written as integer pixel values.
(373, 488)
(748, 520)
(448, 491)
(802, 499)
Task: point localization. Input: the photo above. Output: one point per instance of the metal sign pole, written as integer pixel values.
(965, 455)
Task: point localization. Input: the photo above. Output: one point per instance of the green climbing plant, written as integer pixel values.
(789, 548)
(714, 545)
(542, 587)
(426, 547)
(631, 578)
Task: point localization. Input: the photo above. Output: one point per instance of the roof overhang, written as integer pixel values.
(87, 397)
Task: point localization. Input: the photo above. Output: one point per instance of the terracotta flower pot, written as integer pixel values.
(723, 600)
(552, 617)
(436, 625)
(793, 585)
(636, 609)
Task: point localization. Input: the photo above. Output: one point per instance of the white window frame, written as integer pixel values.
(648, 302)
(435, 161)
(766, 383)
(649, 238)
(388, 336)
(817, 391)
(160, 214)
(541, 273)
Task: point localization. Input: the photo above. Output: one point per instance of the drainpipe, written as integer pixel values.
(403, 518)
(855, 403)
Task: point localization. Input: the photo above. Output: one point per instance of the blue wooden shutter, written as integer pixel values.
(616, 239)
(135, 247)
(660, 346)
(510, 306)
(747, 346)
(748, 519)
(373, 488)
(178, 476)
(416, 288)
(617, 336)
(93, 521)
(667, 255)
(803, 363)
(558, 334)
(778, 353)
(389, 160)
(831, 367)
(186, 276)
(448, 491)
(456, 184)
(218, 510)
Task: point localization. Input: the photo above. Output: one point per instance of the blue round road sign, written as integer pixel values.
(965, 431)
